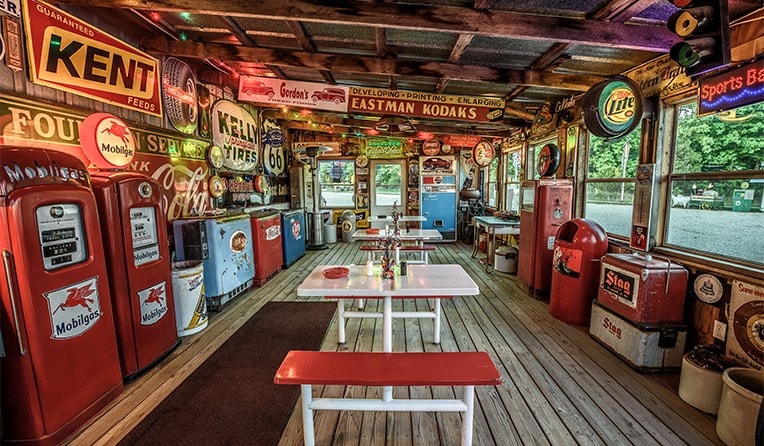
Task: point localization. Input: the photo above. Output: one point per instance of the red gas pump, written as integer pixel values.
(61, 365)
(546, 204)
(135, 237)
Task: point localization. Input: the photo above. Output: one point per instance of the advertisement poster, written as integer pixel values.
(745, 335)
(641, 235)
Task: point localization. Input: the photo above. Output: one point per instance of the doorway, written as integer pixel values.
(387, 186)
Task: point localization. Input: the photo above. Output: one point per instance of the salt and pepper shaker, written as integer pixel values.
(369, 268)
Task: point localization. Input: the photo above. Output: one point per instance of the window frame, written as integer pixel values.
(325, 203)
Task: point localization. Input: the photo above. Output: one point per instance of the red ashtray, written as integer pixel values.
(373, 231)
(337, 272)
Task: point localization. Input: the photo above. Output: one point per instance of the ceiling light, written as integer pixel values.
(393, 124)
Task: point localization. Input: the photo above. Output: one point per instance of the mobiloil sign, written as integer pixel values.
(613, 107)
(68, 54)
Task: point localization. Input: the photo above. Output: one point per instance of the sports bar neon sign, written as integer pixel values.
(733, 89)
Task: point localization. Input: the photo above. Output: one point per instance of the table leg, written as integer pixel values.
(341, 320)
(307, 415)
(469, 400)
(436, 335)
(387, 324)
(490, 250)
(475, 237)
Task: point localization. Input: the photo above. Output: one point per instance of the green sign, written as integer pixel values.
(385, 148)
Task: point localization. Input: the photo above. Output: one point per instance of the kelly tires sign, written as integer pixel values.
(68, 54)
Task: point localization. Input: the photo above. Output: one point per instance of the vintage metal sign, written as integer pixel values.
(384, 148)
(234, 130)
(659, 77)
(425, 105)
(293, 93)
(11, 7)
(68, 54)
(613, 107)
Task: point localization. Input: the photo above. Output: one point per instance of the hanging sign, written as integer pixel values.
(425, 105)
(733, 89)
(293, 93)
(613, 107)
(384, 148)
(461, 140)
(274, 157)
(483, 153)
(659, 77)
(68, 54)
(107, 141)
(234, 130)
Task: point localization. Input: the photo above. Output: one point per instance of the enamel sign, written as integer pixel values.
(68, 54)
(234, 130)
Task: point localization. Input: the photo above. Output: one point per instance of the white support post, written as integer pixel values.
(308, 434)
(469, 401)
(341, 320)
(436, 334)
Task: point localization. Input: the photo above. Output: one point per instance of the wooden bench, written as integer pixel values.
(465, 369)
(706, 201)
(342, 313)
(423, 250)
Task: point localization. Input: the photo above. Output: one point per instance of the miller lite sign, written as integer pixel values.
(613, 107)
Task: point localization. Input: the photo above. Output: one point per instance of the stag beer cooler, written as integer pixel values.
(266, 239)
(546, 204)
(293, 236)
(137, 253)
(62, 363)
(230, 269)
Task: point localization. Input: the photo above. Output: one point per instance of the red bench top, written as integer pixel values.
(403, 248)
(388, 369)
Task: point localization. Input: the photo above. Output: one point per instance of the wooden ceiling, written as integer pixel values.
(525, 51)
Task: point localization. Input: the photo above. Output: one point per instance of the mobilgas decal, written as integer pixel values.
(234, 130)
(74, 309)
(622, 285)
(16, 173)
(68, 54)
(153, 302)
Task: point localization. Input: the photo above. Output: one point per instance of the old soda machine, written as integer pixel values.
(438, 195)
(293, 235)
(62, 362)
(545, 205)
(135, 239)
(639, 311)
(230, 268)
(266, 245)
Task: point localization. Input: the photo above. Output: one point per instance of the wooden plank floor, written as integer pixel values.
(561, 387)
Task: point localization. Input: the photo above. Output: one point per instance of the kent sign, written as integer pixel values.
(68, 54)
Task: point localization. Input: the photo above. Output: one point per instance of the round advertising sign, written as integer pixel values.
(107, 141)
(548, 160)
(431, 147)
(613, 107)
(483, 153)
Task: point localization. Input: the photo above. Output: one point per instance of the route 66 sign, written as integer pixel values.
(274, 158)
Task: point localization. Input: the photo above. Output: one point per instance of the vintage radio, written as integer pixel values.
(643, 289)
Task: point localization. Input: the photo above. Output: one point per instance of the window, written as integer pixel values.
(610, 179)
(337, 180)
(493, 183)
(388, 184)
(512, 169)
(716, 182)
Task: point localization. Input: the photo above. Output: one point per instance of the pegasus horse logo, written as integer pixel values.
(120, 131)
(77, 297)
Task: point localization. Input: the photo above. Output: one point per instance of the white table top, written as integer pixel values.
(412, 234)
(421, 280)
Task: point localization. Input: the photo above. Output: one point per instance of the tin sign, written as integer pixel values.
(293, 93)
(74, 309)
(234, 130)
(153, 301)
(621, 284)
(68, 54)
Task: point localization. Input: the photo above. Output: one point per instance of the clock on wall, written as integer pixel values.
(361, 161)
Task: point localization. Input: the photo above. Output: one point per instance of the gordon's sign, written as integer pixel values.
(68, 54)
(425, 105)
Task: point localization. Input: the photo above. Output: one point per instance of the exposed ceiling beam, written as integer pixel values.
(462, 42)
(421, 18)
(302, 37)
(232, 54)
(380, 38)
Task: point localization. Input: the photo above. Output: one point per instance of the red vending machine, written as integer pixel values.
(545, 205)
(138, 254)
(266, 236)
(62, 364)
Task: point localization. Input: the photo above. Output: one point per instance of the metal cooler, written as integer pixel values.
(230, 268)
(266, 239)
(645, 347)
(293, 236)
(643, 289)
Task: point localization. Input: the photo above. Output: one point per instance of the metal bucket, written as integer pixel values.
(188, 295)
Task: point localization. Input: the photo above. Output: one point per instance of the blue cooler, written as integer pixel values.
(293, 235)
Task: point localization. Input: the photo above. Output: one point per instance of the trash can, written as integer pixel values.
(505, 259)
(742, 200)
(330, 233)
(578, 247)
(348, 226)
(188, 296)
